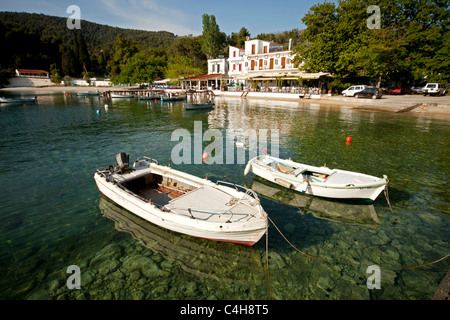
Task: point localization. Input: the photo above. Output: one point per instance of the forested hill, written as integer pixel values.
(95, 35)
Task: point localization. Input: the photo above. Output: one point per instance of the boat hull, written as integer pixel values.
(198, 106)
(367, 191)
(247, 234)
(16, 100)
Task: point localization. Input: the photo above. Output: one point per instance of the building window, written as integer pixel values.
(240, 66)
(234, 54)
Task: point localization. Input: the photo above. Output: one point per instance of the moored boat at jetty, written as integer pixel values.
(122, 95)
(17, 100)
(317, 181)
(198, 100)
(182, 202)
(198, 106)
(173, 97)
(149, 96)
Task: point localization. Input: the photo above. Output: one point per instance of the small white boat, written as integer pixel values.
(122, 95)
(17, 100)
(198, 106)
(182, 202)
(149, 96)
(172, 97)
(317, 181)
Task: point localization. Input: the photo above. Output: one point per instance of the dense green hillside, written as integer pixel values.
(95, 35)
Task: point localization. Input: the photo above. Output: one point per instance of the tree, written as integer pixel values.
(238, 39)
(141, 68)
(189, 47)
(412, 42)
(182, 67)
(212, 38)
(123, 51)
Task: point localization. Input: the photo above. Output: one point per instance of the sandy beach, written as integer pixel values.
(417, 103)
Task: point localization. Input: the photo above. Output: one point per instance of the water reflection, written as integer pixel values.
(347, 212)
(203, 258)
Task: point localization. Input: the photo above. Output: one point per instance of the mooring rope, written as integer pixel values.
(386, 194)
(349, 263)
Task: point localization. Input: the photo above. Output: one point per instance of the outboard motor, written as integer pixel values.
(123, 161)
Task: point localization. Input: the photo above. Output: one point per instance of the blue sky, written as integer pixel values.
(181, 17)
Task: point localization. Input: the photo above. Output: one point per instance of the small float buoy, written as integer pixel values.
(205, 156)
(98, 111)
(247, 169)
(348, 139)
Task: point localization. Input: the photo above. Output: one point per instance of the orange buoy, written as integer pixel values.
(348, 139)
(205, 156)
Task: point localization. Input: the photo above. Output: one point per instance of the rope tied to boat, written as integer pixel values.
(386, 194)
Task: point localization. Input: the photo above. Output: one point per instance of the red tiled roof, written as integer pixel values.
(206, 76)
(32, 71)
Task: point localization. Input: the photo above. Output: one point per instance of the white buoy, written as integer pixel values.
(247, 169)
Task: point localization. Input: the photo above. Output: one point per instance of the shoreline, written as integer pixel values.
(417, 104)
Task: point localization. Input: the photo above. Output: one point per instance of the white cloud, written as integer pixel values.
(152, 15)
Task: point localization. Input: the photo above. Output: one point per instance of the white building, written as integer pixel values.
(260, 60)
(218, 66)
(235, 61)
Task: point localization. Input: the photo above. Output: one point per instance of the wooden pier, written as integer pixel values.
(135, 92)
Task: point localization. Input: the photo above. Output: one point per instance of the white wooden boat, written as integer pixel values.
(122, 95)
(182, 202)
(173, 97)
(198, 106)
(17, 100)
(317, 181)
(148, 96)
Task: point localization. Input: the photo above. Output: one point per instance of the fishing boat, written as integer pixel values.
(184, 203)
(17, 100)
(172, 97)
(122, 95)
(149, 96)
(317, 181)
(198, 106)
(198, 100)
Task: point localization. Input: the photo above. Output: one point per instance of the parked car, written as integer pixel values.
(395, 90)
(350, 92)
(371, 93)
(434, 89)
(417, 89)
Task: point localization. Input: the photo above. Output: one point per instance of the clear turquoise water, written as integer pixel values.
(52, 215)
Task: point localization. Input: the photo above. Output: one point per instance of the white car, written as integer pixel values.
(350, 92)
(433, 88)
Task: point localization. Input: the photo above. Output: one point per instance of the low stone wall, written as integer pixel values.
(28, 82)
